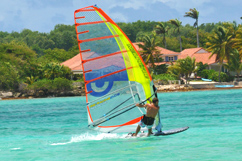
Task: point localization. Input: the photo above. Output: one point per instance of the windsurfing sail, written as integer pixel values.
(115, 75)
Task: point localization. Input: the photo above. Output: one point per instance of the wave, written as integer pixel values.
(92, 137)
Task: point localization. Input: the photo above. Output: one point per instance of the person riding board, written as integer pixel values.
(148, 119)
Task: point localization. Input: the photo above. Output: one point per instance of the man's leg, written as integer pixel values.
(149, 131)
(137, 130)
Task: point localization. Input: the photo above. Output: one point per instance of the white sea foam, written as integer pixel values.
(91, 137)
(100, 136)
(15, 148)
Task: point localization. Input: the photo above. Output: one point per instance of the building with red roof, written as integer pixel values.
(200, 54)
(74, 64)
(165, 54)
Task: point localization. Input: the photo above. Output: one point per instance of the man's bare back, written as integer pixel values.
(151, 109)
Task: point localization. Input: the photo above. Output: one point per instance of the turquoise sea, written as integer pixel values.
(55, 129)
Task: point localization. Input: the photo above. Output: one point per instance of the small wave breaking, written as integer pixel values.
(15, 148)
(91, 137)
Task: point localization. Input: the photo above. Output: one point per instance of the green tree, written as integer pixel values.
(63, 36)
(159, 69)
(193, 13)
(56, 55)
(162, 29)
(9, 79)
(177, 25)
(54, 70)
(62, 84)
(184, 67)
(148, 47)
(20, 57)
(200, 68)
(220, 44)
(238, 40)
(234, 63)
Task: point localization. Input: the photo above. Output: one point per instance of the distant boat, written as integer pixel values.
(223, 86)
(207, 80)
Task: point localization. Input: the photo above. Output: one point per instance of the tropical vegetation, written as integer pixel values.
(177, 24)
(34, 58)
(183, 67)
(193, 13)
(148, 47)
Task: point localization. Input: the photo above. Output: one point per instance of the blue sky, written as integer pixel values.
(43, 15)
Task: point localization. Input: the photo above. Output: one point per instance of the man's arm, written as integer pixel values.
(140, 105)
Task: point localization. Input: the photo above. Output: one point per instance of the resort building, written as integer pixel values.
(168, 56)
(201, 55)
(74, 64)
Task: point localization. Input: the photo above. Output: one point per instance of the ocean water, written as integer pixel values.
(55, 129)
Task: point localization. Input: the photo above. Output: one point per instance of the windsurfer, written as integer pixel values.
(148, 119)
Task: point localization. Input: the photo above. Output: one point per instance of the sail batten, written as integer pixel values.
(80, 17)
(89, 23)
(119, 52)
(97, 38)
(115, 75)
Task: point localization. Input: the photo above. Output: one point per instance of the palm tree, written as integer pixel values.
(177, 24)
(194, 14)
(30, 80)
(52, 70)
(148, 47)
(162, 29)
(235, 63)
(238, 40)
(220, 44)
(184, 67)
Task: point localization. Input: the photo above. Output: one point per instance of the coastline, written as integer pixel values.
(194, 89)
(168, 88)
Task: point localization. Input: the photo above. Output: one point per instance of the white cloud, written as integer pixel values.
(181, 5)
(119, 17)
(43, 15)
(135, 4)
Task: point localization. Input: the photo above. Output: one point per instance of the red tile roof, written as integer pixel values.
(73, 63)
(161, 50)
(188, 52)
(200, 54)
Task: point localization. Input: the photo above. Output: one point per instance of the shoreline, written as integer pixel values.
(159, 91)
(194, 89)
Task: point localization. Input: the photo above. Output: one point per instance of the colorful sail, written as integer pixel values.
(115, 75)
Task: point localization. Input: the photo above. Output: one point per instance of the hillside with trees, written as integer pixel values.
(30, 56)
